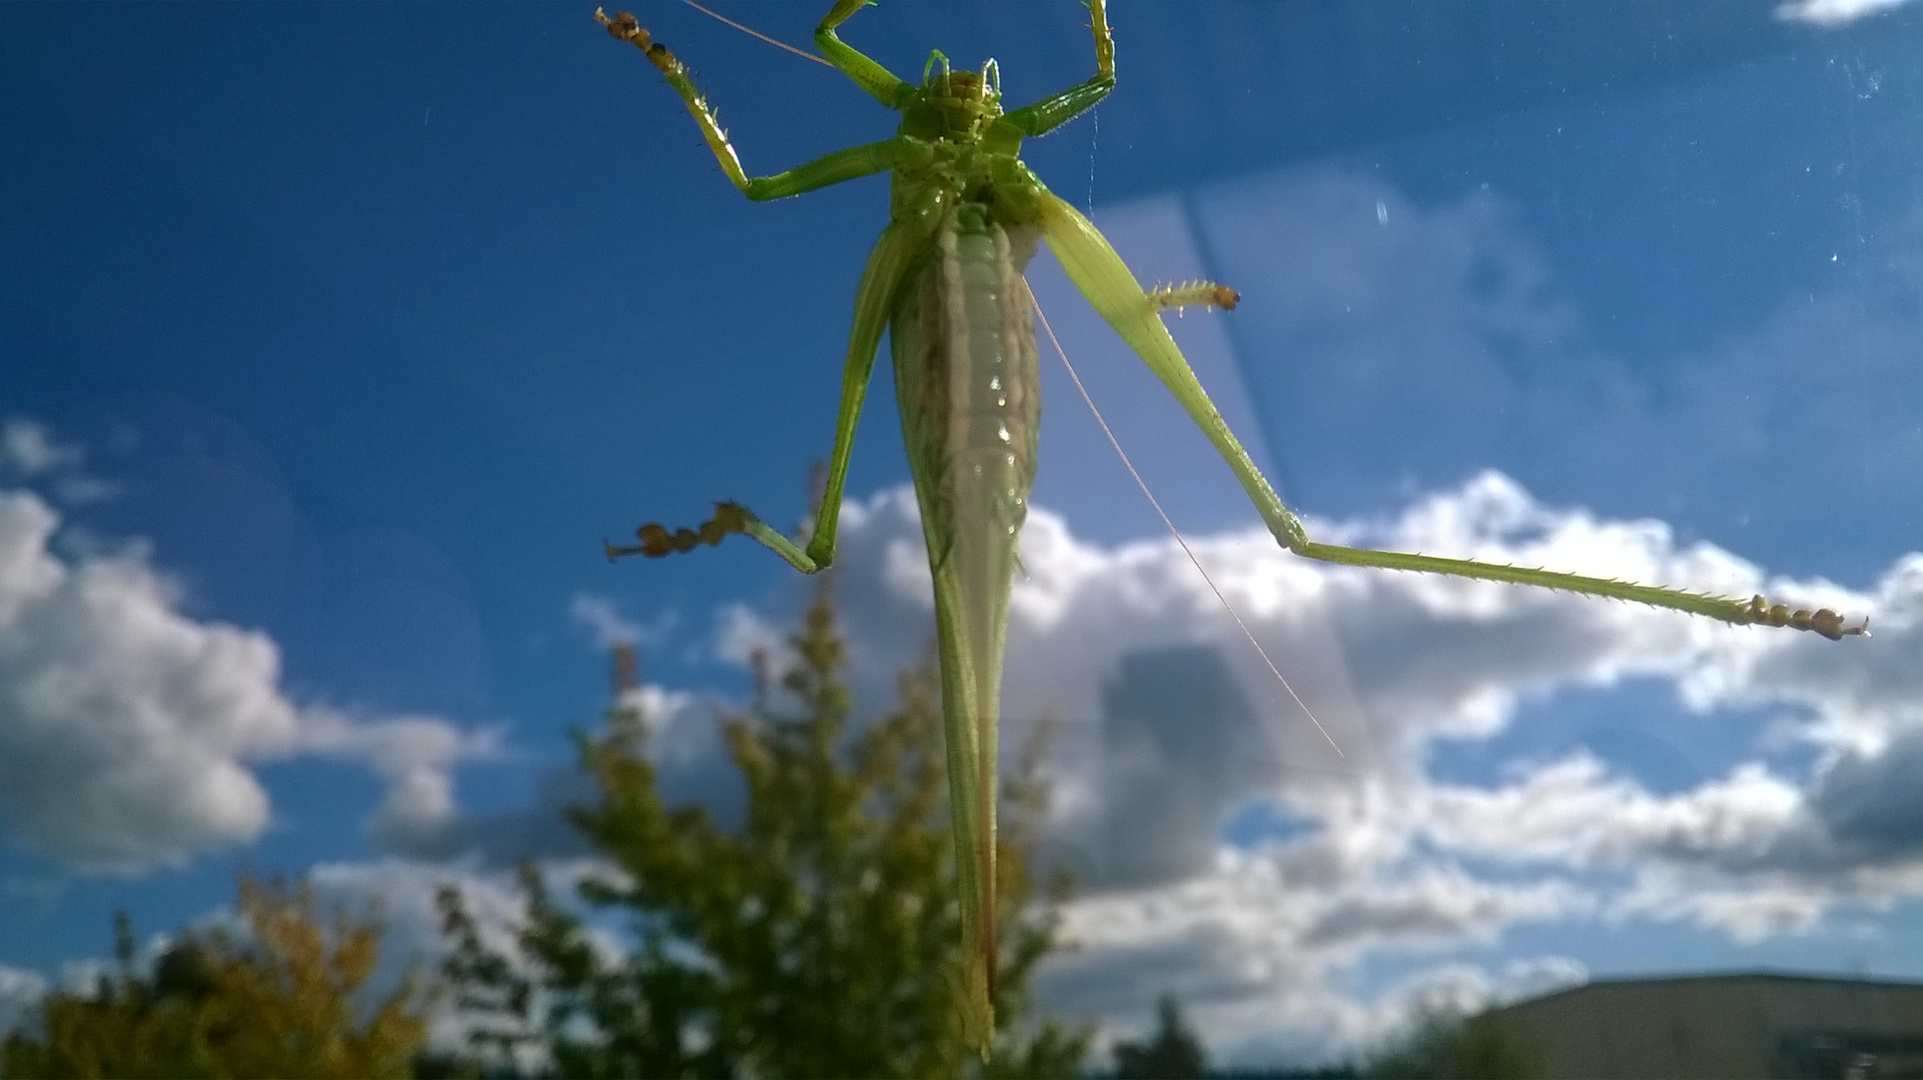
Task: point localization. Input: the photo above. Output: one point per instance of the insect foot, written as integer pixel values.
(624, 26)
(1823, 621)
(629, 29)
(657, 541)
(1193, 292)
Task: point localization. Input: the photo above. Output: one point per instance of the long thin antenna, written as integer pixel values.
(751, 32)
(1177, 533)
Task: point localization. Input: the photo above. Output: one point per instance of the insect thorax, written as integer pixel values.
(952, 150)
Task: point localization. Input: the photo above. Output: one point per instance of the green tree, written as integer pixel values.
(1448, 1047)
(1175, 1052)
(279, 1003)
(821, 938)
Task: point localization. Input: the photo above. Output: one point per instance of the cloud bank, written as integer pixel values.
(1171, 730)
(1227, 854)
(129, 731)
(1832, 12)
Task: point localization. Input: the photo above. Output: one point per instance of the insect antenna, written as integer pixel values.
(752, 32)
(1177, 533)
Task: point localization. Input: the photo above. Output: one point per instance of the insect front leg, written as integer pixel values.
(883, 85)
(893, 256)
(849, 164)
(1050, 113)
(1106, 281)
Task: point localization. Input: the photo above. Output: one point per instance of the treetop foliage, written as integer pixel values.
(820, 937)
(278, 1000)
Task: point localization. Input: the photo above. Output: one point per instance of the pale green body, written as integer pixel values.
(969, 386)
(945, 277)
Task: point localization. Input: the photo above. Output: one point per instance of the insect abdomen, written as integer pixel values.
(994, 403)
(967, 380)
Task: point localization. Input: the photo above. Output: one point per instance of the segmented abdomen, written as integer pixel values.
(967, 377)
(994, 404)
(967, 381)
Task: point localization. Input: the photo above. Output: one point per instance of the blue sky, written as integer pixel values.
(336, 338)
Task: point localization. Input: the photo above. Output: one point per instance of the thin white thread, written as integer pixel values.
(1094, 133)
(805, 54)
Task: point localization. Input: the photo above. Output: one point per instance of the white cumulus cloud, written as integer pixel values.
(1831, 12)
(29, 451)
(20, 993)
(1169, 726)
(129, 730)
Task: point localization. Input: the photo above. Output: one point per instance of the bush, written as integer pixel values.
(278, 1003)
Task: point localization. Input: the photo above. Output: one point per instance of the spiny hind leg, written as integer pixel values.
(1757, 611)
(1112, 290)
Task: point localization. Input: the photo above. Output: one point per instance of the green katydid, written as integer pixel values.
(946, 280)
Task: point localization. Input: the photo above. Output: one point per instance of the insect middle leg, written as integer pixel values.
(893, 256)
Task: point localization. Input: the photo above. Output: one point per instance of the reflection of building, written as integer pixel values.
(1181, 748)
(1753, 1025)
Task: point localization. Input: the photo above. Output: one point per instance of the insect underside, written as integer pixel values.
(968, 384)
(945, 281)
